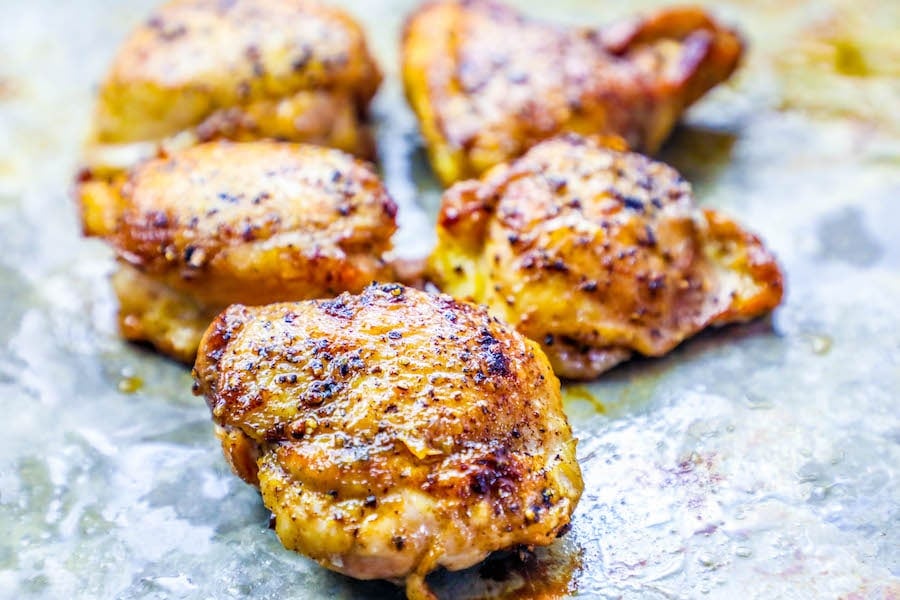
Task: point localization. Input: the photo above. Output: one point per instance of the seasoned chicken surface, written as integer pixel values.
(597, 254)
(221, 223)
(294, 70)
(393, 432)
(487, 83)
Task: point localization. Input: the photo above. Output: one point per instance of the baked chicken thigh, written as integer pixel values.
(393, 432)
(293, 70)
(223, 222)
(597, 254)
(487, 83)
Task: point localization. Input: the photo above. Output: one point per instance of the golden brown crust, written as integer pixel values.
(293, 69)
(319, 117)
(596, 254)
(396, 431)
(223, 223)
(241, 452)
(255, 222)
(735, 250)
(488, 83)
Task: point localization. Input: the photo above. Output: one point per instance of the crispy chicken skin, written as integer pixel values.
(221, 223)
(596, 254)
(296, 70)
(393, 432)
(487, 83)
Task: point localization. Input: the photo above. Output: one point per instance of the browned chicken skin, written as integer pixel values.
(394, 432)
(597, 253)
(293, 70)
(222, 222)
(487, 83)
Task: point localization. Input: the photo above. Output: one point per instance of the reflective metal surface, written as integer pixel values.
(757, 461)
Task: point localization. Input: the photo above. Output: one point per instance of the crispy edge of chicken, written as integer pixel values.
(294, 69)
(484, 98)
(393, 432)
(597, 254)
(152, 312)
(221, 223)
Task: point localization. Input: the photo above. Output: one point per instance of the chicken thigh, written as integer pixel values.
(393, 432)
(197, 70)
(487, 83)
(597, 253)
(221, 222)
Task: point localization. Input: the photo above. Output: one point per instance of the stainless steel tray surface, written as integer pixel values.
(759, 461)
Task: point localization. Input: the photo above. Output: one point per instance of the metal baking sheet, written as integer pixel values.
(758, 461)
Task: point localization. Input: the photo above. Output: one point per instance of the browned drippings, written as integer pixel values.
(577, 392)
(533, 574)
